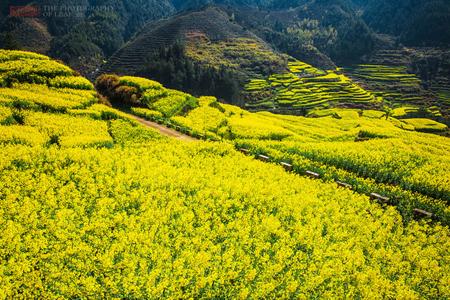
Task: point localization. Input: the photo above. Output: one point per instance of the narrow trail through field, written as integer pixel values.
(164, 130)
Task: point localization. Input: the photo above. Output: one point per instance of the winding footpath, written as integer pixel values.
(164, 130)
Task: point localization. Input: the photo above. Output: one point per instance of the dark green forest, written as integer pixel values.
(171, 67)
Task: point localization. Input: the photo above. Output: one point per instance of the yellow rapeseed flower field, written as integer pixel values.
(93, 205)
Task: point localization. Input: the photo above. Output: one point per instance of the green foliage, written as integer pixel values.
(8, 41)
(176, 70)
(310, 32)
(101, 31)
(417, 23)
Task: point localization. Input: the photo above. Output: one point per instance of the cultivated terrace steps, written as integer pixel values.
(305, 88)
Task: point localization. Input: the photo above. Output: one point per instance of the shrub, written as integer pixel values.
(127, 95)
(106, 84)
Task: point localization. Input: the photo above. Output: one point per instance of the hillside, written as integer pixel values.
(241, 51)
(305, 89)
(416, 78)
(207, 51)
(331, 28)
(353, 135)
(94, 205)
(415, 23)
(25, 33)
(202, 52)
(83, 32)
(306, 142)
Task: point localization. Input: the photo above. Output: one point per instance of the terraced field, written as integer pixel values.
(398, 88)
(245, 56)
(305, 88)
(412, 80)
(441, 87)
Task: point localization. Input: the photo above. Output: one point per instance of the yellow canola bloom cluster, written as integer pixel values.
(203, 118)
(142, 84)
(414, 164)
(74, 82)
(385, 154)
(71, 131)
(9, 55)
(37, 67)
(40, 96)
(26, 135)
(182, 225)
(265, 125)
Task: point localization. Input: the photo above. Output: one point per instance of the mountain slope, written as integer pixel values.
(415, 78)
(83, 32)
(25, 33)
(198, 47)
(416, 23)
(333, 28)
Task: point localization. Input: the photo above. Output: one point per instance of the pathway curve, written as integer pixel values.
(164, 130)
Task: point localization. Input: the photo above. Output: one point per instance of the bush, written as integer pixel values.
(127, 95)
(112, 87)
(106, 84)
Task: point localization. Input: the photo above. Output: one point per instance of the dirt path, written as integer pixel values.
(164, 130)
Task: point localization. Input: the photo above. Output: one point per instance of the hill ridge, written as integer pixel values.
(164, 32)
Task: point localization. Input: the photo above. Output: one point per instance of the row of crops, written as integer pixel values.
(393, 83)
(304, 88)
(401, 89)
(173, 220)
(63, 112)
(409, 203)
(92, 205)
